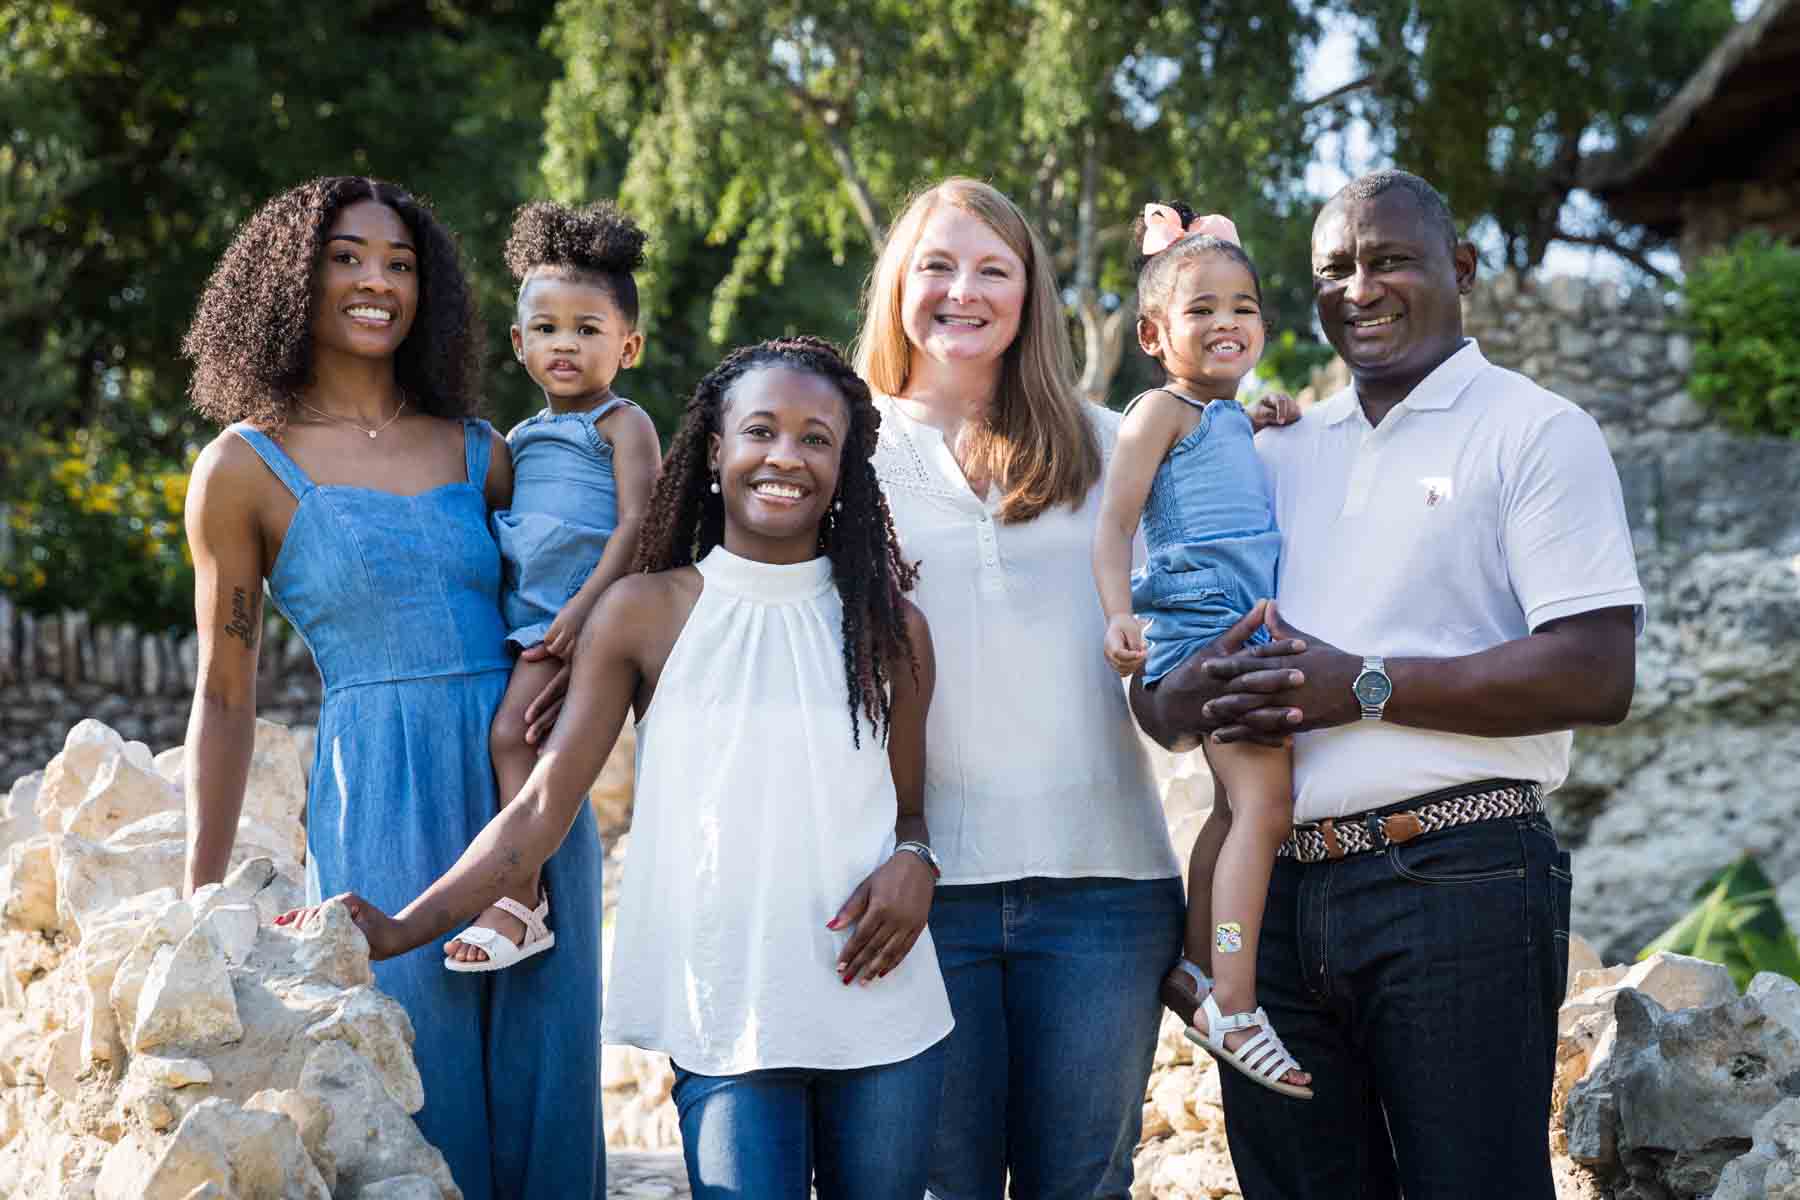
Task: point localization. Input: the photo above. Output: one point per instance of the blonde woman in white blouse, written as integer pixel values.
(1060, 906)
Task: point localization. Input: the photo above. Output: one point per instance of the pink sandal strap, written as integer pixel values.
(532, 919)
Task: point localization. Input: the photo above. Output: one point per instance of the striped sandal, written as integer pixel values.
(1262, 1058)
(500, 950)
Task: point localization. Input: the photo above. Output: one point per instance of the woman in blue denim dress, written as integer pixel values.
(1186, 464)
(583, 469)
(337, 337)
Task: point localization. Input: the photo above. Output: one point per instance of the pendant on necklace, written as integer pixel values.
(372, 434)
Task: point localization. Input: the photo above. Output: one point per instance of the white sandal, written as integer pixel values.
(501, 950)
(1262, 1058)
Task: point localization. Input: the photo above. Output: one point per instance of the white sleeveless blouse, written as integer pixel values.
(754, 820)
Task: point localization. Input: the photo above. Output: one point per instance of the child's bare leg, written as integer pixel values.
(1259, 782)
(1179, 992)
(514, 758)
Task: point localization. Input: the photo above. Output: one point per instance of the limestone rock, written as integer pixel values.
(121, 792)
(18, 812)
(275, 791)
(1779, 997)
(1679, 1092)
(1582, 957)
(379, 1029)
(28, 885)
(252, 1154)
(329, 945)
(187, 997)
(313, 1120)
(67, 776)
(401, 1187)
(371, 1138)
(1771, 1169)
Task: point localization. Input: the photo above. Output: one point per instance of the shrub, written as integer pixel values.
(1736, 922)
(1744, 306)
(91, 526)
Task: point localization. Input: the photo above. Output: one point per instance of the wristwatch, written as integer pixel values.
(925, 854)
(1373, 688)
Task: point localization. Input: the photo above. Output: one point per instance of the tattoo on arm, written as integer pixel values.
(243, 621)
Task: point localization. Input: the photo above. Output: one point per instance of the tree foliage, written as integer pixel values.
(1499, 102)
(794, 127)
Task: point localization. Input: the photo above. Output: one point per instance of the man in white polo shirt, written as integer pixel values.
(1457, 591)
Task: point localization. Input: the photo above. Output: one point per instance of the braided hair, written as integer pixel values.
(1157, 272)
(686, 519)
(251, 338)
(597, 243)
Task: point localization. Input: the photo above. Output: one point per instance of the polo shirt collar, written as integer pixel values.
(1437, 390)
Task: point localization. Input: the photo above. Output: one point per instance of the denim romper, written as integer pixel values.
(1209, 526)
(565, 506)
(397, 597)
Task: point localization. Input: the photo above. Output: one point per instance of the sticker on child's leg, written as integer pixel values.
(1228, 937)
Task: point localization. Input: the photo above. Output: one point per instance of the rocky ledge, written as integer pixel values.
(167, 1049)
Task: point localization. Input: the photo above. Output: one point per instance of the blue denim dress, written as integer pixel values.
(565, 506)
(1210, 530)
(398, 599)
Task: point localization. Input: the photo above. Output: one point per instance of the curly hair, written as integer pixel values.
(597, 242)
(251, 340)
(1157, 272)
(686, 519)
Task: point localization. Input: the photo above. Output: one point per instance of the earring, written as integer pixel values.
(837, 506)
(713, 487)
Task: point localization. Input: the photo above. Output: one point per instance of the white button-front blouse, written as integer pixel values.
(1032, 765)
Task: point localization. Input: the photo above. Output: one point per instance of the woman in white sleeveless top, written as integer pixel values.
(1060, 906)
(780, 871)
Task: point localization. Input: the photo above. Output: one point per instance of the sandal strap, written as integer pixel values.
(1192, 970)
(532, 919)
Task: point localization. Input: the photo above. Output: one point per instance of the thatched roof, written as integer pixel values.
(1735, 120)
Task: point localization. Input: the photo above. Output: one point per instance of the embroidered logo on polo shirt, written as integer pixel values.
(1438, 488)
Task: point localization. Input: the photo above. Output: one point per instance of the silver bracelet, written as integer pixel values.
(925, 855)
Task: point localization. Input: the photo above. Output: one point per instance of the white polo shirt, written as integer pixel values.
(1481, 508)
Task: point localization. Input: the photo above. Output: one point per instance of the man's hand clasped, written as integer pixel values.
(1266, 692)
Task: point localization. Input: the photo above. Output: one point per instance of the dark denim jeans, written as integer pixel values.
(854, 1135)
(1419, 985)
(1053, 985)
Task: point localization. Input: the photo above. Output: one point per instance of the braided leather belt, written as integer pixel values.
(1488, 800)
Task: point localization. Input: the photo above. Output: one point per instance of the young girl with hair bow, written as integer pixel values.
(1186, 466)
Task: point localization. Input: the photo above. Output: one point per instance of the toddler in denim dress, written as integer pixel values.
(1186, 466)
(583, 470)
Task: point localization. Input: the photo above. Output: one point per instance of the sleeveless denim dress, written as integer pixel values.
(1209, 527)
(398, 599)
(565, 505)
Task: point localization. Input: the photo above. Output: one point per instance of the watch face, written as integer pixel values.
(1372, 688)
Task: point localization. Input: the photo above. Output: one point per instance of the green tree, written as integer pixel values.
(792, 127)
(144, 133)
(1501, 103)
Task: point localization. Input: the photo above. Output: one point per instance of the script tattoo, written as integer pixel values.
(243, 617)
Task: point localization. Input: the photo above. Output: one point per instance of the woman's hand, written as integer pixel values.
(565, 631)
(386, 936)
(888, 909)
(1125, 651)
(1276, 408)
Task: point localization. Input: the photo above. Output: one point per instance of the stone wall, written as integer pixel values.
(1708, 764)
(55, 671)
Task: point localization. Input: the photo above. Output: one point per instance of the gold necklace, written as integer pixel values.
(358, 425)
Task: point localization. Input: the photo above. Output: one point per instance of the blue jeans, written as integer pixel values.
(1419, 985)
(853, 1135)
(1053, 985)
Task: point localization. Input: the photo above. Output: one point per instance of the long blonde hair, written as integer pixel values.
(1037, 439)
